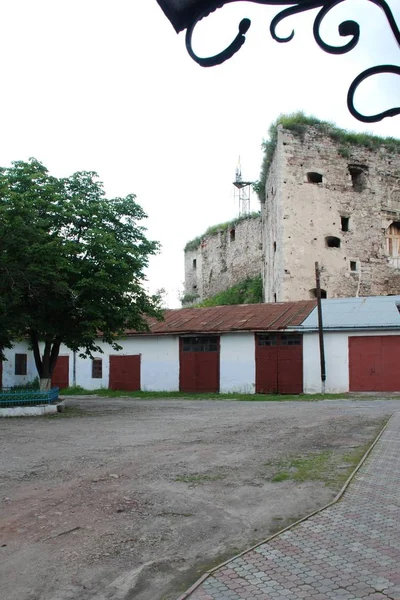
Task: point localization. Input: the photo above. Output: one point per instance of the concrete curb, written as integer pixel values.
(207, 574)
(31, 411)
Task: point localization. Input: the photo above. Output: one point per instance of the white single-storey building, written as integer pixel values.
(264, 348)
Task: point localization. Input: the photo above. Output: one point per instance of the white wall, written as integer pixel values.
(237, 363)
(9, 377)
(336, 360)
(159, 363)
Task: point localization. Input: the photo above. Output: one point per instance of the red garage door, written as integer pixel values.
(199, 364)
(60, 377)
(374, 363)
(279, 363)
(125, 372)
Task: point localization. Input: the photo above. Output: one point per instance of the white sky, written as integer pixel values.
(108, 86)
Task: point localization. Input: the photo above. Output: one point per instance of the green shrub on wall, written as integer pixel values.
(249, 291)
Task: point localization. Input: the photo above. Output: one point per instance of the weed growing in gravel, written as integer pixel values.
(197, 478)
(332, 467)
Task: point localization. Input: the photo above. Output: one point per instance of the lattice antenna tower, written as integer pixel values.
(242, 191)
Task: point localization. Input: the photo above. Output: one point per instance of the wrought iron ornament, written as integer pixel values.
(346, 29)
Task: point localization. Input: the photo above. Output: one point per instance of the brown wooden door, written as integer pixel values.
(124, 372)
(279, 363)
(60, 377)
(290, 364)
(373, 363)
(199, 364)
(266, 363)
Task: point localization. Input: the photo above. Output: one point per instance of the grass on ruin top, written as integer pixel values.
(299, 122)
(219, 228)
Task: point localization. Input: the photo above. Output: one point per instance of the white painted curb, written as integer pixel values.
(31, 411)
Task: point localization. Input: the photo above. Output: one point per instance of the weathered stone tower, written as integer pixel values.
(333, 201)
(224, 256)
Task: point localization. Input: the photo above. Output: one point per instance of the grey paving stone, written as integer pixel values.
(349, 551)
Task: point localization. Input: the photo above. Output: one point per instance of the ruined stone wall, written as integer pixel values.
(223, 259)
(359, 191)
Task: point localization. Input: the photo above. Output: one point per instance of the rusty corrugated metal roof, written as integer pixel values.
(239, 317)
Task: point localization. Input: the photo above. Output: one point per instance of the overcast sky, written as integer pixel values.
(108, 86)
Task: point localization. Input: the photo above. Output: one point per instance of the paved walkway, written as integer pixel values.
(350, 550)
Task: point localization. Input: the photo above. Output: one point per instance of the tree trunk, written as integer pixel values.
(45, 385)
(45, 364)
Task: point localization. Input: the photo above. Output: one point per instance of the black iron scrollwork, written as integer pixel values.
(346, 29)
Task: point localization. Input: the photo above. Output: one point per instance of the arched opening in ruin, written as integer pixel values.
(358, 177)
(392, 236)
(332, 241)
(313, 177)
(313, 293)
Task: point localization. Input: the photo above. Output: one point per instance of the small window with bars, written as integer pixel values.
(97, 368)
(266, 339)
(288, 339)
(200, 344)
(20, 364)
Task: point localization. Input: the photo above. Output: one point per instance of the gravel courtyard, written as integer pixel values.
(134, 499)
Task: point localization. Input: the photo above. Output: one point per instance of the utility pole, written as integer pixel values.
(320, 327)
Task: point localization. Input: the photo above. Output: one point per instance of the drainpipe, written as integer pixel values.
(320, 329)
(74, 369)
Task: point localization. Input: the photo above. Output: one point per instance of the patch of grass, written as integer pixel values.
(138, 395)
(282, 476)
(249, 291)
(219, 228)
(298, 123)
(331, 467)
(308, 468)
(74, 389)
(198, 478)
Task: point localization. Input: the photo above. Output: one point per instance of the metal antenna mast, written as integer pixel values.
(242, 191)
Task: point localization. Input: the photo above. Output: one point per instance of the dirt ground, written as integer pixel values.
(134, 499)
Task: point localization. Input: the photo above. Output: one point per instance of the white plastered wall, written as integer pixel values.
(336, 360)
(237, 363)
(9, 377)
(159, 363)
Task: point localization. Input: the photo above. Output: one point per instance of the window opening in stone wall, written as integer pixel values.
(353, 265)
(345, 223)
(313, 293)
(20, 364)
(232, 235)
(314, 177)
(358, 177)
(274, 246)
(393, 239)
(194, 263)
(332, 241)
(97, 368)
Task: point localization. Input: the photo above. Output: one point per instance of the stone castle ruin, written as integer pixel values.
(326, 195)
(224, 256)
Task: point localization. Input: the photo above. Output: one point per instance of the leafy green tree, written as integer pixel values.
(71, 263)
